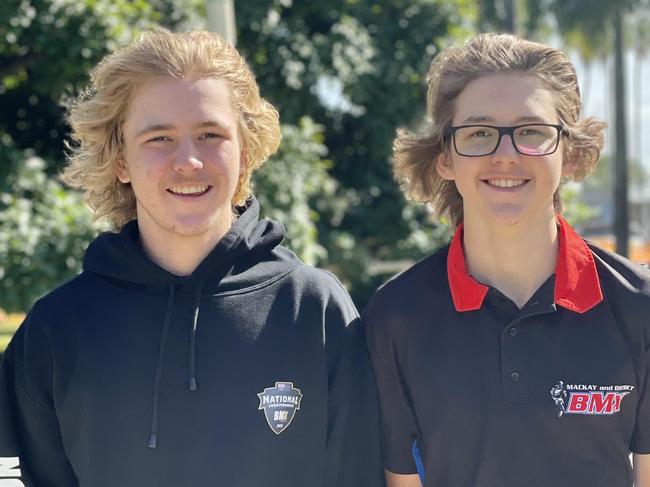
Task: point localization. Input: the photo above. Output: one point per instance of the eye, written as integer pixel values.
(478, 133)
(210, 135)
(159, 138)
(529, 131)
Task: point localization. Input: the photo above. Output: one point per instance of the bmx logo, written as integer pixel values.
(280, 404)
(588, 398)
(10, 472)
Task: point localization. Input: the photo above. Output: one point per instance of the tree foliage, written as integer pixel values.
(45, 230)
(356, 68)
(47, 49)
(286, 184)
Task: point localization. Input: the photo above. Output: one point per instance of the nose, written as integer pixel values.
(506, 149)
(187, 158)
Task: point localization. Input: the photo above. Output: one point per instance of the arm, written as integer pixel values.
(353, 438)
(398, 480)
(360, 455)
(641, 470)
(640, 445)
(31, 448)
(399, 426)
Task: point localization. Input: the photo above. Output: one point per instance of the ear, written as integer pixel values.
(444, 167)
(568, 169)
(122, 170)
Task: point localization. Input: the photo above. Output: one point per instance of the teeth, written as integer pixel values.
(189, 189)
(506, 183)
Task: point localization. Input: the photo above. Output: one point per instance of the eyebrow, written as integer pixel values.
(154, 128)
(485, 118)
(159, 127)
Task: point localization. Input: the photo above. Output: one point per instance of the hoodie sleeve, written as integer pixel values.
(353, 449)
(31, 448)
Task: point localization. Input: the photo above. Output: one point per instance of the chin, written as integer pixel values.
(506, 215)
(187, 228)
(193, 226)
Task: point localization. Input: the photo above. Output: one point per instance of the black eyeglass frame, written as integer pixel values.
(451, 132)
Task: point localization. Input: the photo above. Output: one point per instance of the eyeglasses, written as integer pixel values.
(535, 139)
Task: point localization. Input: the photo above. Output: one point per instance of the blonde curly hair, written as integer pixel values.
(415, 154)
(97, 116)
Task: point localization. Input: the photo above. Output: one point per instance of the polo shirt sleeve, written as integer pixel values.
(641, 437)
(397, 417)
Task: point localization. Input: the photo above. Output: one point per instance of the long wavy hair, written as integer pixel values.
(415, 154)
(97, 115)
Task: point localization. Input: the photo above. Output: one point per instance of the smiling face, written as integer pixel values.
(182, 157)
(504, 187)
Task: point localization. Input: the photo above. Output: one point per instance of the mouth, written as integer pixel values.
(195, 190)
(502, 183)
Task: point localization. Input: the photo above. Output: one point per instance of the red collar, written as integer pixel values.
(577, 286)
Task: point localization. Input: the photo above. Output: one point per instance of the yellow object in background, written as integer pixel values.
(639, 249)
(9, 322)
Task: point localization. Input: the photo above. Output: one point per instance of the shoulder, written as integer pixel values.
(626, 289)
(427, 277)
(412, 297)
(317, 280)
(66, 296)
(617, 272)
(322, 283)
(55, 313)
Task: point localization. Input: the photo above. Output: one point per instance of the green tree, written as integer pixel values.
(45, 230)
(47, 49)
(601, 179)
(356, 68)
(371, 55)
(290, 179)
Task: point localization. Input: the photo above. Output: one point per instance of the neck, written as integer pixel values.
(515, 259)
(179, 254)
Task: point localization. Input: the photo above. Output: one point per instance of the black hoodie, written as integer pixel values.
(250, 372)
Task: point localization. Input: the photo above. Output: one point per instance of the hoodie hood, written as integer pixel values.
(249, 254)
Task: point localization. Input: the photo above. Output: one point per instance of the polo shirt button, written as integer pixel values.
(513, 332)
(514, 376)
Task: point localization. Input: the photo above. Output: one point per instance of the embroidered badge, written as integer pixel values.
(588, 398)
(280, 404)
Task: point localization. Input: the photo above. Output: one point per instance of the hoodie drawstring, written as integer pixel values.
(153, 438)
(195, 318)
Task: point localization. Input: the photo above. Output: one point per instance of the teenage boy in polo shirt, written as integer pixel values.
(519, 354)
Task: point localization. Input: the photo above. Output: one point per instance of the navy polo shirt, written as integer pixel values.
(553, 394)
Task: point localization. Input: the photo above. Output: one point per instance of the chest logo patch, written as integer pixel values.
(280, 404)
(588, 398)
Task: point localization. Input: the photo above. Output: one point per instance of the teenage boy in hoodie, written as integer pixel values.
(193, 349)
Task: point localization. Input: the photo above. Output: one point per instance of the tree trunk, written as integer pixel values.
(636, 106)
(510, 21)
(621, 224)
